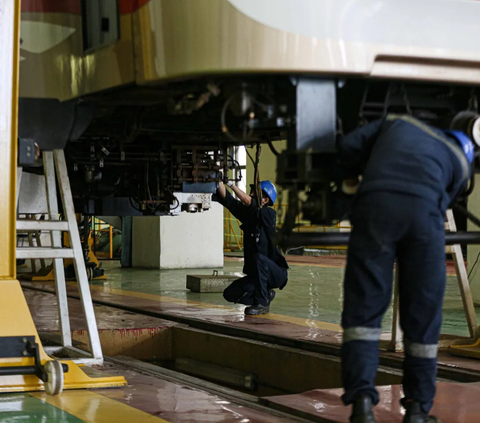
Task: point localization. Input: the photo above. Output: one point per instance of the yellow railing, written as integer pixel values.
(233, 235)
(98, 227)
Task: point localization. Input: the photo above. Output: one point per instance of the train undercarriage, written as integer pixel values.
(161, 150)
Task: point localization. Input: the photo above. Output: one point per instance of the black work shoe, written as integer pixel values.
(271, 295)
(362, 410)
(414, 414)
(257, 310)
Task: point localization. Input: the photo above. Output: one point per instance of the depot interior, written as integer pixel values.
(115, 255)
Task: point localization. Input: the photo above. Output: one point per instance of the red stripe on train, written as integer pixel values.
(52, 6)
(130, 6)
(74, 6)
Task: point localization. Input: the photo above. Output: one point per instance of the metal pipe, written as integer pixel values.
(464, 238)
(110, 241)
(17, 370)
(458, 208)
(24, 370)
(342, 238)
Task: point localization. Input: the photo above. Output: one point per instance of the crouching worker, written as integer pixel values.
(265, 268)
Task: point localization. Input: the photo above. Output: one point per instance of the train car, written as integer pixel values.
(148, 97)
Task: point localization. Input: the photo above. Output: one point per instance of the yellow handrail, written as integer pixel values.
(98, 223)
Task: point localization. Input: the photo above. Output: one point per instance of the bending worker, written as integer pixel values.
(265, 268)
(411, 173)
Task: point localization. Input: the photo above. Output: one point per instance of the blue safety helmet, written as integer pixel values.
(465, 142)
(270, 189)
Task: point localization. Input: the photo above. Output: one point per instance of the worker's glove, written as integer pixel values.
(229, 184)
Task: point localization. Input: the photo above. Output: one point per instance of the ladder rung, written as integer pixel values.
(43, 253)
(42, 225)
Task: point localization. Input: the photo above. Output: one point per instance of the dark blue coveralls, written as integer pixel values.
(411, 172)
(265, 268)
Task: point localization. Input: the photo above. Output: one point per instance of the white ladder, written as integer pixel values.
(462, 278)
(55, 160)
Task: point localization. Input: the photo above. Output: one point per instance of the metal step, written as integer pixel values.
(43, 253)
(42, 225)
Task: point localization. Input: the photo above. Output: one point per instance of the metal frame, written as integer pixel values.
(463, 284)
(56, 169)
(23, 346)
(462, 277)
(56, 241)
(396, 342)
(58, 157)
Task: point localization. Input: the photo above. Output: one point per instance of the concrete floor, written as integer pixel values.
(326, 404)
(146, 399)
(312, 297)
(314, 292)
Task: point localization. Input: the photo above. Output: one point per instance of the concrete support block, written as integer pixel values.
(146, 242)
(188, 241)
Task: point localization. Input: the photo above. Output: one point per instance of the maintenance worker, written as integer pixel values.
(410, 174)
(265, 268)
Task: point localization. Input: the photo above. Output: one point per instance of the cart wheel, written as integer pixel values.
(54, 371)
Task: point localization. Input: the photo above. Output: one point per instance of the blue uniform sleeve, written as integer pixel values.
(354, 149)
(237, 208)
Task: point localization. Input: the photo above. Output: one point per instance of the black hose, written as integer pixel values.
(471, 186)
(272, 148)
(342, 239)
(285, 235)
(462, 210)
(256, 182)
(130, 199)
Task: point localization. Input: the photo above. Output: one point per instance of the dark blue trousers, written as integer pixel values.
(389, 226)
(253, 289)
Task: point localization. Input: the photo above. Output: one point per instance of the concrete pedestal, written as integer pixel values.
(209, 283)
(187, 241)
